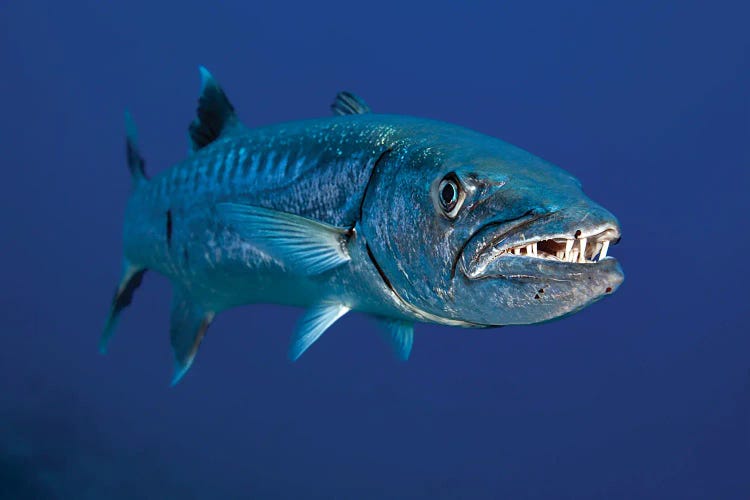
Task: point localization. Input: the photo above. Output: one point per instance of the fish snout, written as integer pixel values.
(579, 234)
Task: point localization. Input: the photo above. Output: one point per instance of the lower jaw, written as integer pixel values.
(522, 298)
(535, 269)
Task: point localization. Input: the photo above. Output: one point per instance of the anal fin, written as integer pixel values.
(188, 325)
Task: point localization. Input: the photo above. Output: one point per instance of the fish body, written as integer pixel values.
(406, 219)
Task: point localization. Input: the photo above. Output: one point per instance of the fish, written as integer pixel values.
(404, 219)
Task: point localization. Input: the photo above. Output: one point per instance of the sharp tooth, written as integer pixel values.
(517, 250)
(582, 255)
(596, 249)
(560, 255)
(529, 250)
(605, 247)
(573, 255)
(568, 248)
(536, 251)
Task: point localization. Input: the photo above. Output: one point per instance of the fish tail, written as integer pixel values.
(136, 163)
(131, 279)
(132, 274)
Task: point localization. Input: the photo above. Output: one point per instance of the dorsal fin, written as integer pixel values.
(347, 103)
(216, 114)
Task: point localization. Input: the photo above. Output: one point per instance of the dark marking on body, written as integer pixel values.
(169, 227)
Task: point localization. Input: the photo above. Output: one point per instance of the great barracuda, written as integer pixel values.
(401, 218)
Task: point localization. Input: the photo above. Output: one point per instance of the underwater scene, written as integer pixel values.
(392, 250)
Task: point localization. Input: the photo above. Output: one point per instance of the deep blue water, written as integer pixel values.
(643, 395)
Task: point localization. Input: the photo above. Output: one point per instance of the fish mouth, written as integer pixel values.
(547, 246)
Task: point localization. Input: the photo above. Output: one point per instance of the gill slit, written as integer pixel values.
(369, 179)
(422, 315)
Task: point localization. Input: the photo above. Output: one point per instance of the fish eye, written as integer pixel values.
(450, 195)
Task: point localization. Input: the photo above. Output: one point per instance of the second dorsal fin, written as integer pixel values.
(347, 103)
(216, 114)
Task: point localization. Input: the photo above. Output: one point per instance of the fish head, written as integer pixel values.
(477, 232)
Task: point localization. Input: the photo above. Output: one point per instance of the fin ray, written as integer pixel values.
(305, 246)
(215, 114)
(131, 280)
(136, 163)
(347, 103)
(188, 325)
(400, 335)
(315, 321)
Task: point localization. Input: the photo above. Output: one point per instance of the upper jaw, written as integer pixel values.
(552, 242)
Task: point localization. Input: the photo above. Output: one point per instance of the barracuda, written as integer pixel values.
(405, 219)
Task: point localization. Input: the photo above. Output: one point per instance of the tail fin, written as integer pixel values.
(131, 279)
(131, 275)
(136, 163)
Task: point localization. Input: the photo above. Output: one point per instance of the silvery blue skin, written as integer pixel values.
(408, 220)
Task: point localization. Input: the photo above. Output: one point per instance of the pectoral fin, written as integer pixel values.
(400, 335)
(188, 325)
(316, 320)
(303, 245)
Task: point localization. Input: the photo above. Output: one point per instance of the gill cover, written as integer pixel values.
(409, 242)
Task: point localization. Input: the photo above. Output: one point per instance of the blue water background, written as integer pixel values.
(643, 395)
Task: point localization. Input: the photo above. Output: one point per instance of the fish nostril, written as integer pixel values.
(578, 233)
